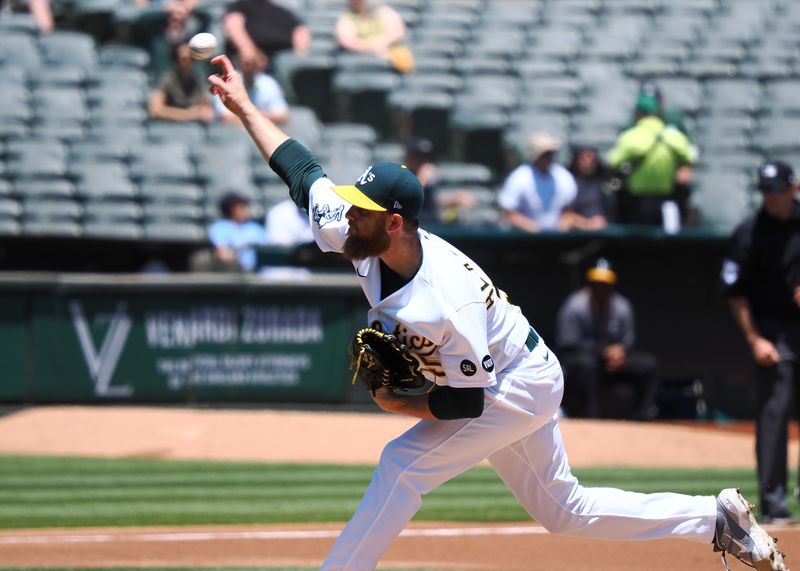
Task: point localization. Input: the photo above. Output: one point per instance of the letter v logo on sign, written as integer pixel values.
(102, 364)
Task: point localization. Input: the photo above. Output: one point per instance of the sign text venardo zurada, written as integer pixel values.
(202, 345)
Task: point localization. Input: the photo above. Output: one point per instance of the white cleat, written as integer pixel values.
(739, 534)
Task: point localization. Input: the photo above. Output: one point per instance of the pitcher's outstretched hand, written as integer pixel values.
(228, 86)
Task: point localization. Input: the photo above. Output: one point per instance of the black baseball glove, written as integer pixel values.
(380, 360)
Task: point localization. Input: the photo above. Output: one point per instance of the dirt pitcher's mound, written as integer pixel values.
(335, 437)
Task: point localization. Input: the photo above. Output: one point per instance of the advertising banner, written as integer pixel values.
(188, 348)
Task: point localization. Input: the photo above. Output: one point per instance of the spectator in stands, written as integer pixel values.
(603, 375)
(287, 225)
(40, 10)
(536, 192)
(42, 14)
(761, 279)
(439, 207)
(377, 29)
(649, 157)
(674, 117)
(236, 235)
(592, 206)
(181, 94)
(258, 29)
(264, 91)
(176, 25)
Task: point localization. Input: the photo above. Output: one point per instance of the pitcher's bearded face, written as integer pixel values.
(367, 235)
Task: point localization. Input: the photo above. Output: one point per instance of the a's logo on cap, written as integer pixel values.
(769, 171)
(367, 176)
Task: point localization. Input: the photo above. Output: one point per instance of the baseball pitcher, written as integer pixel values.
(483, 383)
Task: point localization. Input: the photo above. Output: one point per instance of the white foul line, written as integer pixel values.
(256, 535)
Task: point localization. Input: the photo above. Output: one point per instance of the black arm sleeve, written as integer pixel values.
(298, 168)
(448, 403)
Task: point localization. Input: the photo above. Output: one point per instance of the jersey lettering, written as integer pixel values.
(323, 215)
(423, 349)
(488, 288)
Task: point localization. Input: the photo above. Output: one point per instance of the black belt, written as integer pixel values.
(533, 339)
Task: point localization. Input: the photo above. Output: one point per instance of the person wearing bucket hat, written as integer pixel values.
(604, 374)
(536, 192)
(496, 387)
(761, 279)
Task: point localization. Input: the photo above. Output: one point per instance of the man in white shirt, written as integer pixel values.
(536, 192)
(496, 387)
(264, 91)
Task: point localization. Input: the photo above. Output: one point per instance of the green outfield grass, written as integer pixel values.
(68, 492)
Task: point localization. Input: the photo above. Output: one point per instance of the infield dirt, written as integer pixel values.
(299, 436)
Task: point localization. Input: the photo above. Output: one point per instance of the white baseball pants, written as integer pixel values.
(520, 436)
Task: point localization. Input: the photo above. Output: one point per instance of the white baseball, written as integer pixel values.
(203, 45)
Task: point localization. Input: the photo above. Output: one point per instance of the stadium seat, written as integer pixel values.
(51, 228)
(112, 230)
(130, 133)
(347, 161)
(463, 174)
(178, 231)
(361, 97)
(10, 209)
(476, 136)
(17, 22)
(125, 56)
(45, 189)
(166, 161)
(20, 50)
(173, 212)
(388, 152)
(37, 159)
(338, 133)
(60, 103)
(174, 132)
(94, 151)
(58, 76)
(171, 193)
(304, 126)
(9, 227)
(111, 212)
(421, 114)
(51, 211)
(71, 48)
(103, 181)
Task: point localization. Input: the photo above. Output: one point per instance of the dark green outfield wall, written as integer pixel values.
(189, 338)
(69, 338)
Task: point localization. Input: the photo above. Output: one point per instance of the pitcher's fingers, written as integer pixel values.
(216, 82)
(225, 63)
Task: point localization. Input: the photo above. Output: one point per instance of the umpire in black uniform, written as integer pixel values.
(761, 278)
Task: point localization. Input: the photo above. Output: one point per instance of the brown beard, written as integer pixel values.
(363, 247)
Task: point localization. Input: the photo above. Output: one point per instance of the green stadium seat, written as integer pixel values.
(111, 212)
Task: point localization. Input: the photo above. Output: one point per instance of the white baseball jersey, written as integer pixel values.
(459, 326)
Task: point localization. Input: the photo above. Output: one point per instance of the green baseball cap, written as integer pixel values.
(386, 187)
(647, 104)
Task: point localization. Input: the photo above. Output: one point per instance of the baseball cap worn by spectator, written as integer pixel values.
(229, 200)
(385, 187)
(775, 177)
(647, 104)
(541, 143)
(601, 272)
